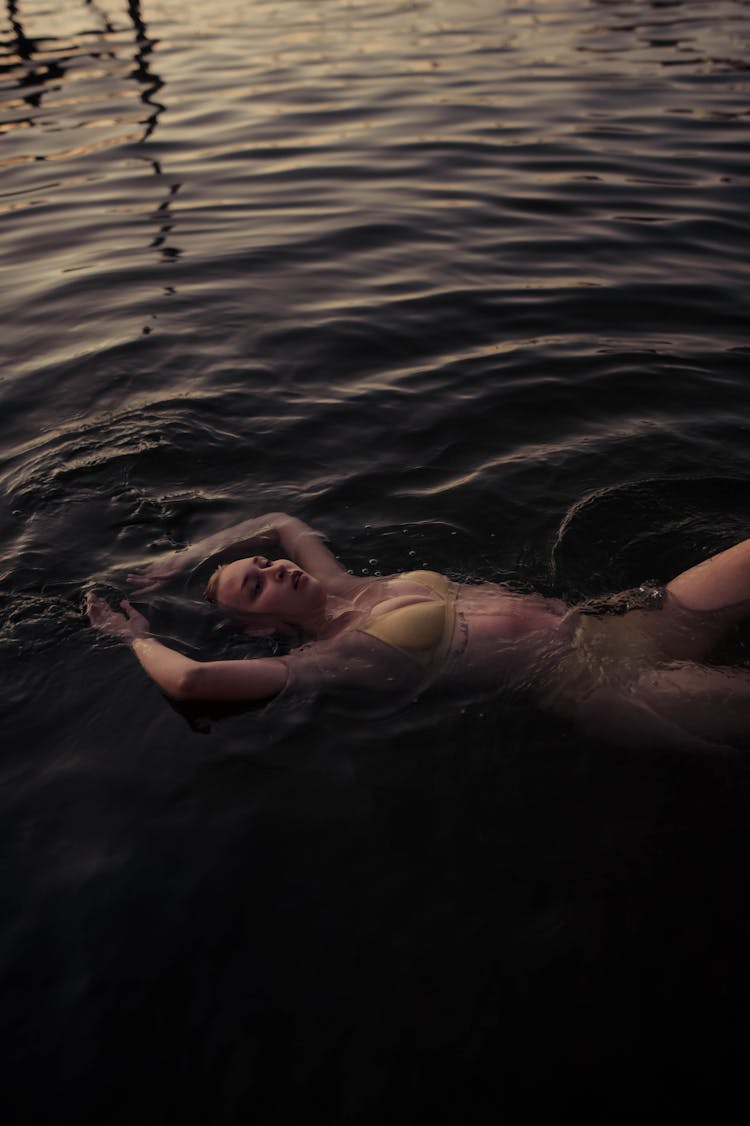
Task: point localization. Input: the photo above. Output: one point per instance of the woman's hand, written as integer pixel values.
(155, 575)
(180, 676)
(128, 626)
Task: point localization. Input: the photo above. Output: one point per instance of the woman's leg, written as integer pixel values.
(685, 706)
(719, 583)
(701, 605)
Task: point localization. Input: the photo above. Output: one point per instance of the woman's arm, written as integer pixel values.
(354, 662)
(274, 533)
(179, 676)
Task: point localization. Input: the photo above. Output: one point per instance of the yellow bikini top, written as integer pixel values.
(421, 631)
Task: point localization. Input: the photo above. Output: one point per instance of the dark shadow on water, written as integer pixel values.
(652, 529)
(482, 920)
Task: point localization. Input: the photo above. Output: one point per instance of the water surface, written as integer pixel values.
(465, 285)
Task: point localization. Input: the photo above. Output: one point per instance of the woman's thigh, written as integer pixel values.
(719, 583)
(686, 705)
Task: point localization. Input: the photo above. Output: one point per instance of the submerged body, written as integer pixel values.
(629, 670)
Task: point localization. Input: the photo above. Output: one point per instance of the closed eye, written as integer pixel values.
(262, 562)
(252, 582)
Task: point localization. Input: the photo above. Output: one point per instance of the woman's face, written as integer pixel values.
(278, 588)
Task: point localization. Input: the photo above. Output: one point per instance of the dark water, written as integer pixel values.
(465, 285)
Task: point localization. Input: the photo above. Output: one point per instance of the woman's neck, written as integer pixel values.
(338, 613)
(341, 611)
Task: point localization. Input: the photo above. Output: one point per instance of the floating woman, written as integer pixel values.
(630, 669)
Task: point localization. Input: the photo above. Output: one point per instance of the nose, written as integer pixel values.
(278, 571)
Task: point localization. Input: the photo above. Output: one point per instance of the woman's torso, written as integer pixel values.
(483, 635)
(505, 638)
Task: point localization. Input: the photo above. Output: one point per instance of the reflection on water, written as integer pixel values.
(48, 60)
(464, 285)
(151, 82)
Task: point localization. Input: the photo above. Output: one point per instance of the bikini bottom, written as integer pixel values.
(605, 650)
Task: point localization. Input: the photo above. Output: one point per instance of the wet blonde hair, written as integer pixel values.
(211, 592)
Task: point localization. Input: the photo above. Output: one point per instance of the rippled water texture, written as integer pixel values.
(464, 284)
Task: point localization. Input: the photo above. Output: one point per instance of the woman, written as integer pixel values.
(629, 669)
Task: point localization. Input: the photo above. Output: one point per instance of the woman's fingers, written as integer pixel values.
(156, 572)
(145, 587)
(99, 612)
(134, 617)
(101, 615)
(144, 581)
(126, 623)
(94, 604)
